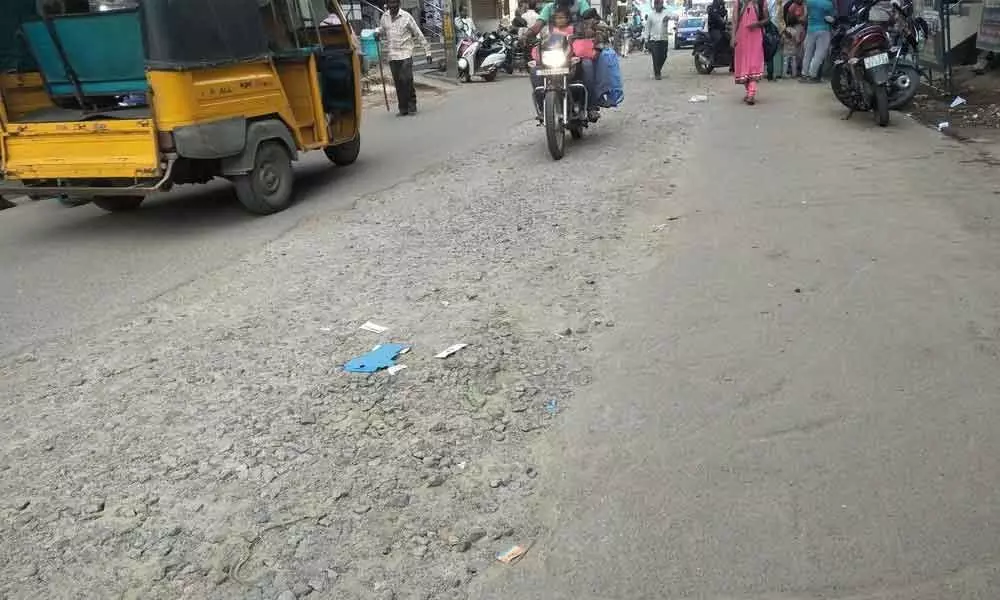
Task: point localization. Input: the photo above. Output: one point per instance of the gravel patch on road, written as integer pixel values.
(213, 447)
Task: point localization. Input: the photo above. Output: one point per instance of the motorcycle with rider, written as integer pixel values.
(562, 69)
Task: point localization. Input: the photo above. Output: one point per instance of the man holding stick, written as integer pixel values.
(401, 33)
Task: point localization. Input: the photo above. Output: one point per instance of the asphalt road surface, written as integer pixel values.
(718, 352)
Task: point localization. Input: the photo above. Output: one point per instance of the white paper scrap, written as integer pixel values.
(374, 327)
(450, 350)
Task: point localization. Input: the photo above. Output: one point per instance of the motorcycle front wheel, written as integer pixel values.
(905, 82)
(880, 106)
(555, 133)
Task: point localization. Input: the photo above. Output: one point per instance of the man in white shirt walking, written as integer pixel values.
(656, 37)
(401, 33)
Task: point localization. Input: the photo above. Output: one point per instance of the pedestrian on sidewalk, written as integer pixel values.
(655, 35)
(748, 46)
(792, 37)
(402, 33)
(818, 34)
(776, 61)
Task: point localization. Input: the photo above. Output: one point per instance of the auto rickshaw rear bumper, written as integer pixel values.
(73, 190)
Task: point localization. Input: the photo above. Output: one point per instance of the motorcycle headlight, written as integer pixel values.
(554, 58)
(462, 63)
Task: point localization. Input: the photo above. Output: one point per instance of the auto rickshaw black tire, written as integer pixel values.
(118, 203)
(344, 154)
(269, 187)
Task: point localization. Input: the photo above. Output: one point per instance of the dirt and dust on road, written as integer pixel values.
(213, 447)
(969, 112)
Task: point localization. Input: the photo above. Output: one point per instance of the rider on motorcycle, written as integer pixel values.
(717, 17)
(552, 15)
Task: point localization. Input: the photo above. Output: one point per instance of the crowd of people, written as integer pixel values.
(770, 38)
(798, 46)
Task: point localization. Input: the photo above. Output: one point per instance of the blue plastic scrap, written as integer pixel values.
(382, 357)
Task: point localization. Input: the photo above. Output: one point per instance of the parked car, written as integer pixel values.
(687, 31)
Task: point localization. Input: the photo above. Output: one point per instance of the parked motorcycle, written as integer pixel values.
(862, 69)
(482, 57)
(907, 37)
(707, 57)
(635, 40)
(518, 52)
(897, 32)
(563, 95)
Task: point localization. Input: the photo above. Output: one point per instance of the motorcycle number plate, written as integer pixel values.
(551, 72)
(876, 60)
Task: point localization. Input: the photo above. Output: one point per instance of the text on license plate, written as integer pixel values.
(550, 72)
(876, 60)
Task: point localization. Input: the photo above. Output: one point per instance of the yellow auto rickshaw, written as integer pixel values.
(117, 100)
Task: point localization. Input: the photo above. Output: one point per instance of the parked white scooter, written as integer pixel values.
(482, 57)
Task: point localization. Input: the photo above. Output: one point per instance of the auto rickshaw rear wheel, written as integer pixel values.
(118, 203)
(344, 154)
(268, 188)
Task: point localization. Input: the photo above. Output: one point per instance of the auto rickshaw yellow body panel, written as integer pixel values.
(113, 149)
(286, 90)
(129, 102)
(23, 93)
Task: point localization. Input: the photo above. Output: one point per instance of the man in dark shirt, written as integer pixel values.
(717, 16)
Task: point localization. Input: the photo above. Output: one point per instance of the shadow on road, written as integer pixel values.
(191, 210)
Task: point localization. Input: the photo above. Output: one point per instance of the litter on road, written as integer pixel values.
(958, 101)
(511, 555)
(374, 327)
(552, 406)
(450, 350)
(396, 369)
(381, 357)
(943, 125)
(698, 98)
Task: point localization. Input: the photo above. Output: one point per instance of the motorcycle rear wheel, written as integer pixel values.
(901, 97)
(880, 106)
(841, 87)
(555, 133)
(704, 67)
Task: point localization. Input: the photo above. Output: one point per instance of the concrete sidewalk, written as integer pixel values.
(799, 400)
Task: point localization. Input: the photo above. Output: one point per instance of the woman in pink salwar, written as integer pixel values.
(748, 45)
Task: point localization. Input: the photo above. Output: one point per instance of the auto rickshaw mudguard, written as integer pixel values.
(218, 139)
(257, 132)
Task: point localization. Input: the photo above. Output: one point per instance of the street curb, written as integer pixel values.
(434, 80)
